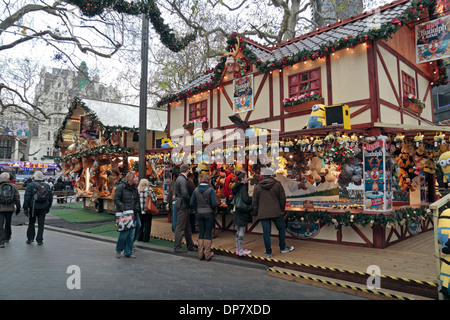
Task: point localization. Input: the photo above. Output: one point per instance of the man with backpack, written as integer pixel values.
(9, 196)
(37, 203)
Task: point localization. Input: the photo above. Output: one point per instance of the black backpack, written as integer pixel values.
(6, 193)
(41, 192)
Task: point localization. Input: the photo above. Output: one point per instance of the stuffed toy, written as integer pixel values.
(443, 238)
(317, 116)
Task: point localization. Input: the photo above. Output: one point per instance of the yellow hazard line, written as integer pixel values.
(320, 267)
(337, 284)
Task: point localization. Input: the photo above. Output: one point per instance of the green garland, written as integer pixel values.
(92, 8)
(398, 217)
(384, 32)
(99, 150)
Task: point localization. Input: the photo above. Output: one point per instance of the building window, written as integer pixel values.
(409, 84)
(5, 149)
(197, 110)
(304, 82)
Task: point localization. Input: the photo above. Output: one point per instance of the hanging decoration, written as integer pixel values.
(92, 8)
(236, 42)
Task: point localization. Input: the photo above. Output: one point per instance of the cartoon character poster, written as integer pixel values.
(433, 40)
(243, 94)
(88, 128)
(377, 175)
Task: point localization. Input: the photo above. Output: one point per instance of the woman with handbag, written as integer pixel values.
(204, 199)
(242, 211)
(126, 199)
(148, 200)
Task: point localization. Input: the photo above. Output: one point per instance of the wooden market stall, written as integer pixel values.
(99, 142)
(358, 169)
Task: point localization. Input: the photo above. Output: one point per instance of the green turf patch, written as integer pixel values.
(110, 230)
(81, 215)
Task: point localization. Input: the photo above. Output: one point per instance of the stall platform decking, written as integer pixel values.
(410, 262)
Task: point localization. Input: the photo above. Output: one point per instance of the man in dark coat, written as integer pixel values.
(269, 201)
(36, 209)
(182, 206)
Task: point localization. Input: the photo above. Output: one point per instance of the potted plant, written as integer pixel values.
(413, 104)
(302, 102)
(191, 124)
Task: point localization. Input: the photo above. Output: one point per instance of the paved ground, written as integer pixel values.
(41, 272)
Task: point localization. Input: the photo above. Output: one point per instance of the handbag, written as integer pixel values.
(125, 220)
(150, 207)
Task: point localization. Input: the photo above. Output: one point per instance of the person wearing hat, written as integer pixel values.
(7, 209)
(36, 209)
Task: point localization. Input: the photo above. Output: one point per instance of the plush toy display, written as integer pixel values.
(444, 161)
(317, 116)
(443, 238)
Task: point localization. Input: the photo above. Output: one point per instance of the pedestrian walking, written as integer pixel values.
(182, 206)
(9, 197)
(126, 198)
(269, 201)
(204, 200)
(242, 211)
(37, 202)
(145, 191)
(171, 197)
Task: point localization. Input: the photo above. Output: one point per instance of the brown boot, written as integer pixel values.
(201, 247)
(208, 253)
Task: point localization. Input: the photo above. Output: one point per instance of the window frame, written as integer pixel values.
(308, 81)
(203, 107)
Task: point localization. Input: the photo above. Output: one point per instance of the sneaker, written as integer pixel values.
(268, 255)
(129, 256)
(287, 249)
(40, 243)
(245, 252)
(2, 245)
(117, 254)
(29, 242)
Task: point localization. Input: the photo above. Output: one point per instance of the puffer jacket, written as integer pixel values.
(269, 199)
(126, 198)
(10, 207)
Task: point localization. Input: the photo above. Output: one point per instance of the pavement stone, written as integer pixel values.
(32, 272)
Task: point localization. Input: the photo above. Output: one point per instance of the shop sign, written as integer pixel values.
(433, 40)
(243, 94)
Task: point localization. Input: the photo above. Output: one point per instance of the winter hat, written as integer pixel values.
(4, 177)
(38, 175)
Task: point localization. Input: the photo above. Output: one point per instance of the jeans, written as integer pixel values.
(31, 231)
(267, 226)
(240, 237)
(138, 225)
(205, 225)
(125, 241)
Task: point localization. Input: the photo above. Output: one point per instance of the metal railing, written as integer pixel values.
(435, 206)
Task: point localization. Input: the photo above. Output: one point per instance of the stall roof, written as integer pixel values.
(113, 114)
(371, 25)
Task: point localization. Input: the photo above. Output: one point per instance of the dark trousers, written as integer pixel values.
(205, 225)
(31, 231)
(5, 226)
(183, 225)
(146, 227)
(267, 230)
